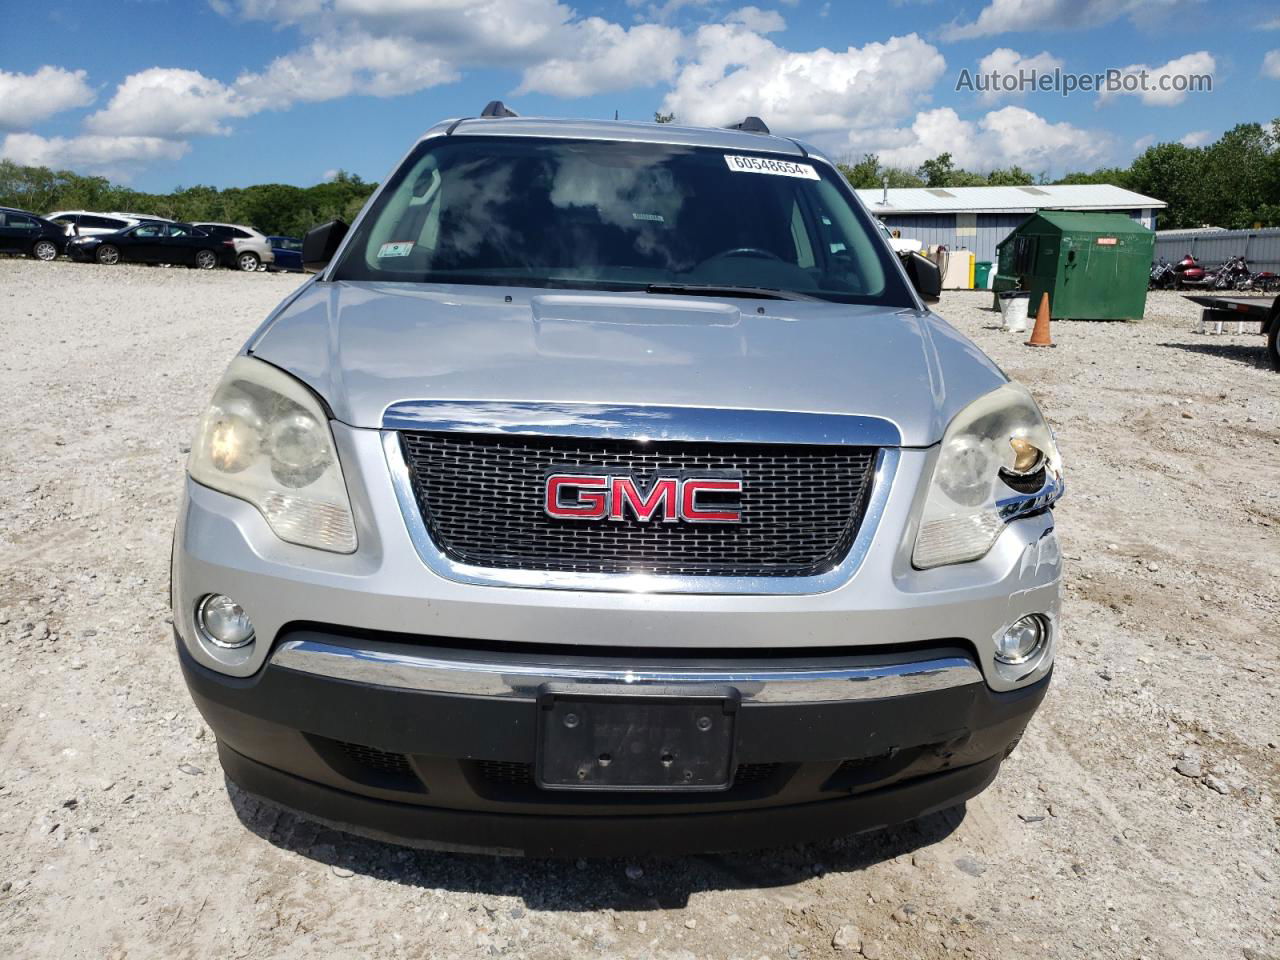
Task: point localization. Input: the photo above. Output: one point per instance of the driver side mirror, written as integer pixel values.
(321, 243)
(924, 276)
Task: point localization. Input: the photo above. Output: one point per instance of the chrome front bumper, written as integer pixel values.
(520, 676)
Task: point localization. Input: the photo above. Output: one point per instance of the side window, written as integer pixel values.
(21, 222)
(4, 219)
(68, 220)
(178, 230)
(239, 234)
(149, 230)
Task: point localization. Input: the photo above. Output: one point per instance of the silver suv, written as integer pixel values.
(245, 248)
(611, 489)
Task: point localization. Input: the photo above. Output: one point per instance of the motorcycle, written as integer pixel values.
(1264, 281)
(1189, 273)
(1162, 275)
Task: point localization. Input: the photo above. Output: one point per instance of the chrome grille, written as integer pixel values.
(481, 498)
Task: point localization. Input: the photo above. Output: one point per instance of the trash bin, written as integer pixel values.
(1094, 266)
(1013, 309)
(982, 275)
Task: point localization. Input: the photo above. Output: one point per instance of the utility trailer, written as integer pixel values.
(1263, 311)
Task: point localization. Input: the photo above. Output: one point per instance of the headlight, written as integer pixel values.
(266, 440)
(997, 462)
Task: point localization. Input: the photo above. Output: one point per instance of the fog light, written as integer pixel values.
(1022, 640)
(223, 622)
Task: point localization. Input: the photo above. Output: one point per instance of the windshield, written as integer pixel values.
(614, 216)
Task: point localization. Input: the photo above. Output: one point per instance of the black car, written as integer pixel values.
(150, 242)
(26, 233)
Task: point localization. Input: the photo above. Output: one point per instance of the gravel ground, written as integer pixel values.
(1137, 819)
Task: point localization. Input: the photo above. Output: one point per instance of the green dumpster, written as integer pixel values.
(1094, 266)
(981, 274)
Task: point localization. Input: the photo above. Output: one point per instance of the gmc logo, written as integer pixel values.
(603, 496)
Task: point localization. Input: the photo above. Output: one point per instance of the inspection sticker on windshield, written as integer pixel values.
(781, 168)
(402, 249)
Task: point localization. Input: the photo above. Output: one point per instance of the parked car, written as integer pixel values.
(611, 490)
(288, 253)
(85, 223)
(243, 247)
(150, 242)
(23, 232)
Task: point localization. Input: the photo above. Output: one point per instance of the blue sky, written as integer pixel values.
(231, 92)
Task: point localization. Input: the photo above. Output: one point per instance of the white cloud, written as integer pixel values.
(761, 21)
(1170, 76)
(1011, 135)
(1143, 142)
(169, 102)
(608, 57)
(735, 72)
(1010, 63)
(28, 98)
(112, 156)
(1271, 64)
(1007, 16)
(335, 67)
(1196, 138)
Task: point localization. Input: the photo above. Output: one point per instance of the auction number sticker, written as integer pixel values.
(779, 168)
(402, 249)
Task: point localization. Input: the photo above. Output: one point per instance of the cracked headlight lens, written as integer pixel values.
(265, 439)
(997, 461)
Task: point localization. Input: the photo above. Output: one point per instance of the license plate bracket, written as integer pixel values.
(611, 737)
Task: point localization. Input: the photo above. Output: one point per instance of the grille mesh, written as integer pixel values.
(481, 498)
(396, 764)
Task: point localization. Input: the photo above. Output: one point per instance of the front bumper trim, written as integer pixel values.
(431, 670)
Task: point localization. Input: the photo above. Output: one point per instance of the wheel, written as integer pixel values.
(247, 261)
(1273, 340)
(45, 250)
(108, 255)
(206, 259)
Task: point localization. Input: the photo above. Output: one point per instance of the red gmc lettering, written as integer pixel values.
(626, 494)
(590, 496)
(690, 510)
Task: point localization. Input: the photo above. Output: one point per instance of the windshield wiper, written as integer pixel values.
(724, 290)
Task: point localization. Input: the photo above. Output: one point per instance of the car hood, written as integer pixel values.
(364, 346)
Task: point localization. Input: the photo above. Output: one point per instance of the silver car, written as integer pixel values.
(612, 489)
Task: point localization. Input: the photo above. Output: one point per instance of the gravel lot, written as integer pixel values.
(1138, 818)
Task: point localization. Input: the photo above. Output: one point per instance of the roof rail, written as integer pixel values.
(496, 108)
(750, 125)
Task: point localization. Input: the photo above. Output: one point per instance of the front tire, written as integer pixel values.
(1273, 338)
(206, 259)
(45, 250)
(248, 261)
(108, 255)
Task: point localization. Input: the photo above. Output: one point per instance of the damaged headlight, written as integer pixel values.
(265, 439)
(997, 462)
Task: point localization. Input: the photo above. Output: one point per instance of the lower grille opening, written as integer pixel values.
(367, 765)
(396, 764)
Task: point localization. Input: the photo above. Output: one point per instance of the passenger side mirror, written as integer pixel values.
(924, 276)
(321, 243)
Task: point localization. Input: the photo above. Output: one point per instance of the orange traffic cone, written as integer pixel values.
(1040, 332)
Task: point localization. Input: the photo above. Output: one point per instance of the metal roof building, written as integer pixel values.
(978, 218)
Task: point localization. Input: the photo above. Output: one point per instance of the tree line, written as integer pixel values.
(273, 208)
(1233, 182)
